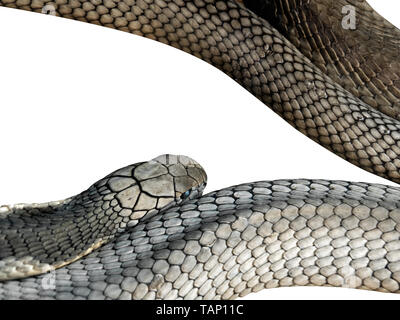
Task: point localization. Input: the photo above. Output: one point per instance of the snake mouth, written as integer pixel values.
(195, 192)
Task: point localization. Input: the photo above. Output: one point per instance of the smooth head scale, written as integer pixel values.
(150, 186)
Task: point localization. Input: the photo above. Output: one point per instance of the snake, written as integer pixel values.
(146, 231)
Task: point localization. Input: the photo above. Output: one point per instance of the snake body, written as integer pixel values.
(239, 240)
(37, 238)
(334, 85)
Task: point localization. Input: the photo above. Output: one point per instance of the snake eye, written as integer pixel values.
(185, 195)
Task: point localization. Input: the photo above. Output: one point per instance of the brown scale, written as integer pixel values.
(364, 60)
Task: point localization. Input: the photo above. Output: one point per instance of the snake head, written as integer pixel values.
(156, 184)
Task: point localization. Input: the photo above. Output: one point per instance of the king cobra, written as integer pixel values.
(147, 232)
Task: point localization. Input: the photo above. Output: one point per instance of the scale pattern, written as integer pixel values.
(239, 240)
(361, 54)
(37, 238)
(262, 60)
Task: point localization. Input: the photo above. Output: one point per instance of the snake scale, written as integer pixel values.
(147, 232)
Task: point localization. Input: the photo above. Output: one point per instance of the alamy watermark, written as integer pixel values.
(48, 281)
(49, 9)
(349, 21)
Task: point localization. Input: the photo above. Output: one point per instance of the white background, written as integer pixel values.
(79, 101)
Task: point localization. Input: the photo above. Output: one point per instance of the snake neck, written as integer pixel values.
(59, 235)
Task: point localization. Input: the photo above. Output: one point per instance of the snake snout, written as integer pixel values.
(188, 175)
